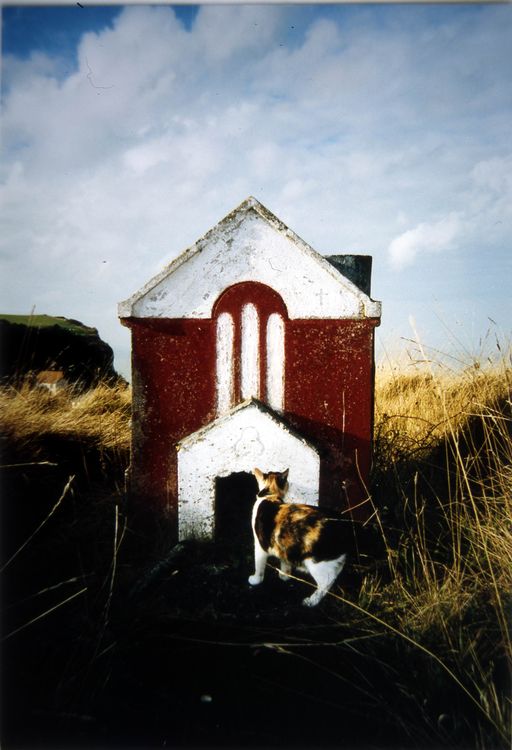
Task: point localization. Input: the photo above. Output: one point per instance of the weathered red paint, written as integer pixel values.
(329, 399)
(173, 365)
(328, 393)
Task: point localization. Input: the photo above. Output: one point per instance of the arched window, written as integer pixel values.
(250, 346)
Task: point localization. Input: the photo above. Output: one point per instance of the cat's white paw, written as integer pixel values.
(284, 576)
(254, 580)
(311, 601)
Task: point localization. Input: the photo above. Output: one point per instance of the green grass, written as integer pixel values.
(47, 321)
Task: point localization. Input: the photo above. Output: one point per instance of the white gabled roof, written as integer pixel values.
(239, 414)
(250, 244)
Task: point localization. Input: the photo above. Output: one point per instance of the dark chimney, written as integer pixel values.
(356, 268)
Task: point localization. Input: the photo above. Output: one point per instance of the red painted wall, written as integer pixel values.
(329, 399)
(328, 394)
(173, 366)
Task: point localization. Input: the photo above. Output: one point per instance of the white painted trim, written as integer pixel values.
(250, 353)
(225, 375)
(250, 244)
(275, 361)
(250, 435)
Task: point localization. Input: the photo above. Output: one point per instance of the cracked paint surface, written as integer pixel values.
(250, 311)
(252, 249)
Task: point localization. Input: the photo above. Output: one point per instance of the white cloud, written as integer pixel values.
(235, 31)
(349, 131)
(424, 239)
(491, 189)
(17, 72)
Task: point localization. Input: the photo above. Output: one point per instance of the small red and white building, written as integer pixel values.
(52, 381)
(251, 349)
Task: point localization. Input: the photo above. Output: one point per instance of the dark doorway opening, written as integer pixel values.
(234, 499)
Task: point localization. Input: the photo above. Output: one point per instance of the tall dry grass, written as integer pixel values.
(438, 620)
(442, 486)
(99, 416)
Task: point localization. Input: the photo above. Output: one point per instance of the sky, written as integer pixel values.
(129, 131)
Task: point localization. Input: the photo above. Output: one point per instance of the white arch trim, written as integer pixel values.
(275, 361)
(225, 373)
(250, 353)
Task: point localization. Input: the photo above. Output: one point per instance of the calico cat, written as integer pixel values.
(301, 536)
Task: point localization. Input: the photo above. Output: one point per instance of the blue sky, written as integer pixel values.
(379, 129)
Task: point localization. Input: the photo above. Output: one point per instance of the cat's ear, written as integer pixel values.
(282, 479)
(259, 476)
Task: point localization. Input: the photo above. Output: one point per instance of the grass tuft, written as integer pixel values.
(99, 416)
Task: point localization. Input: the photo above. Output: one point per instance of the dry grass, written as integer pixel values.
(444, 468)
(100, 416)
(441, 489)
(421, 407)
